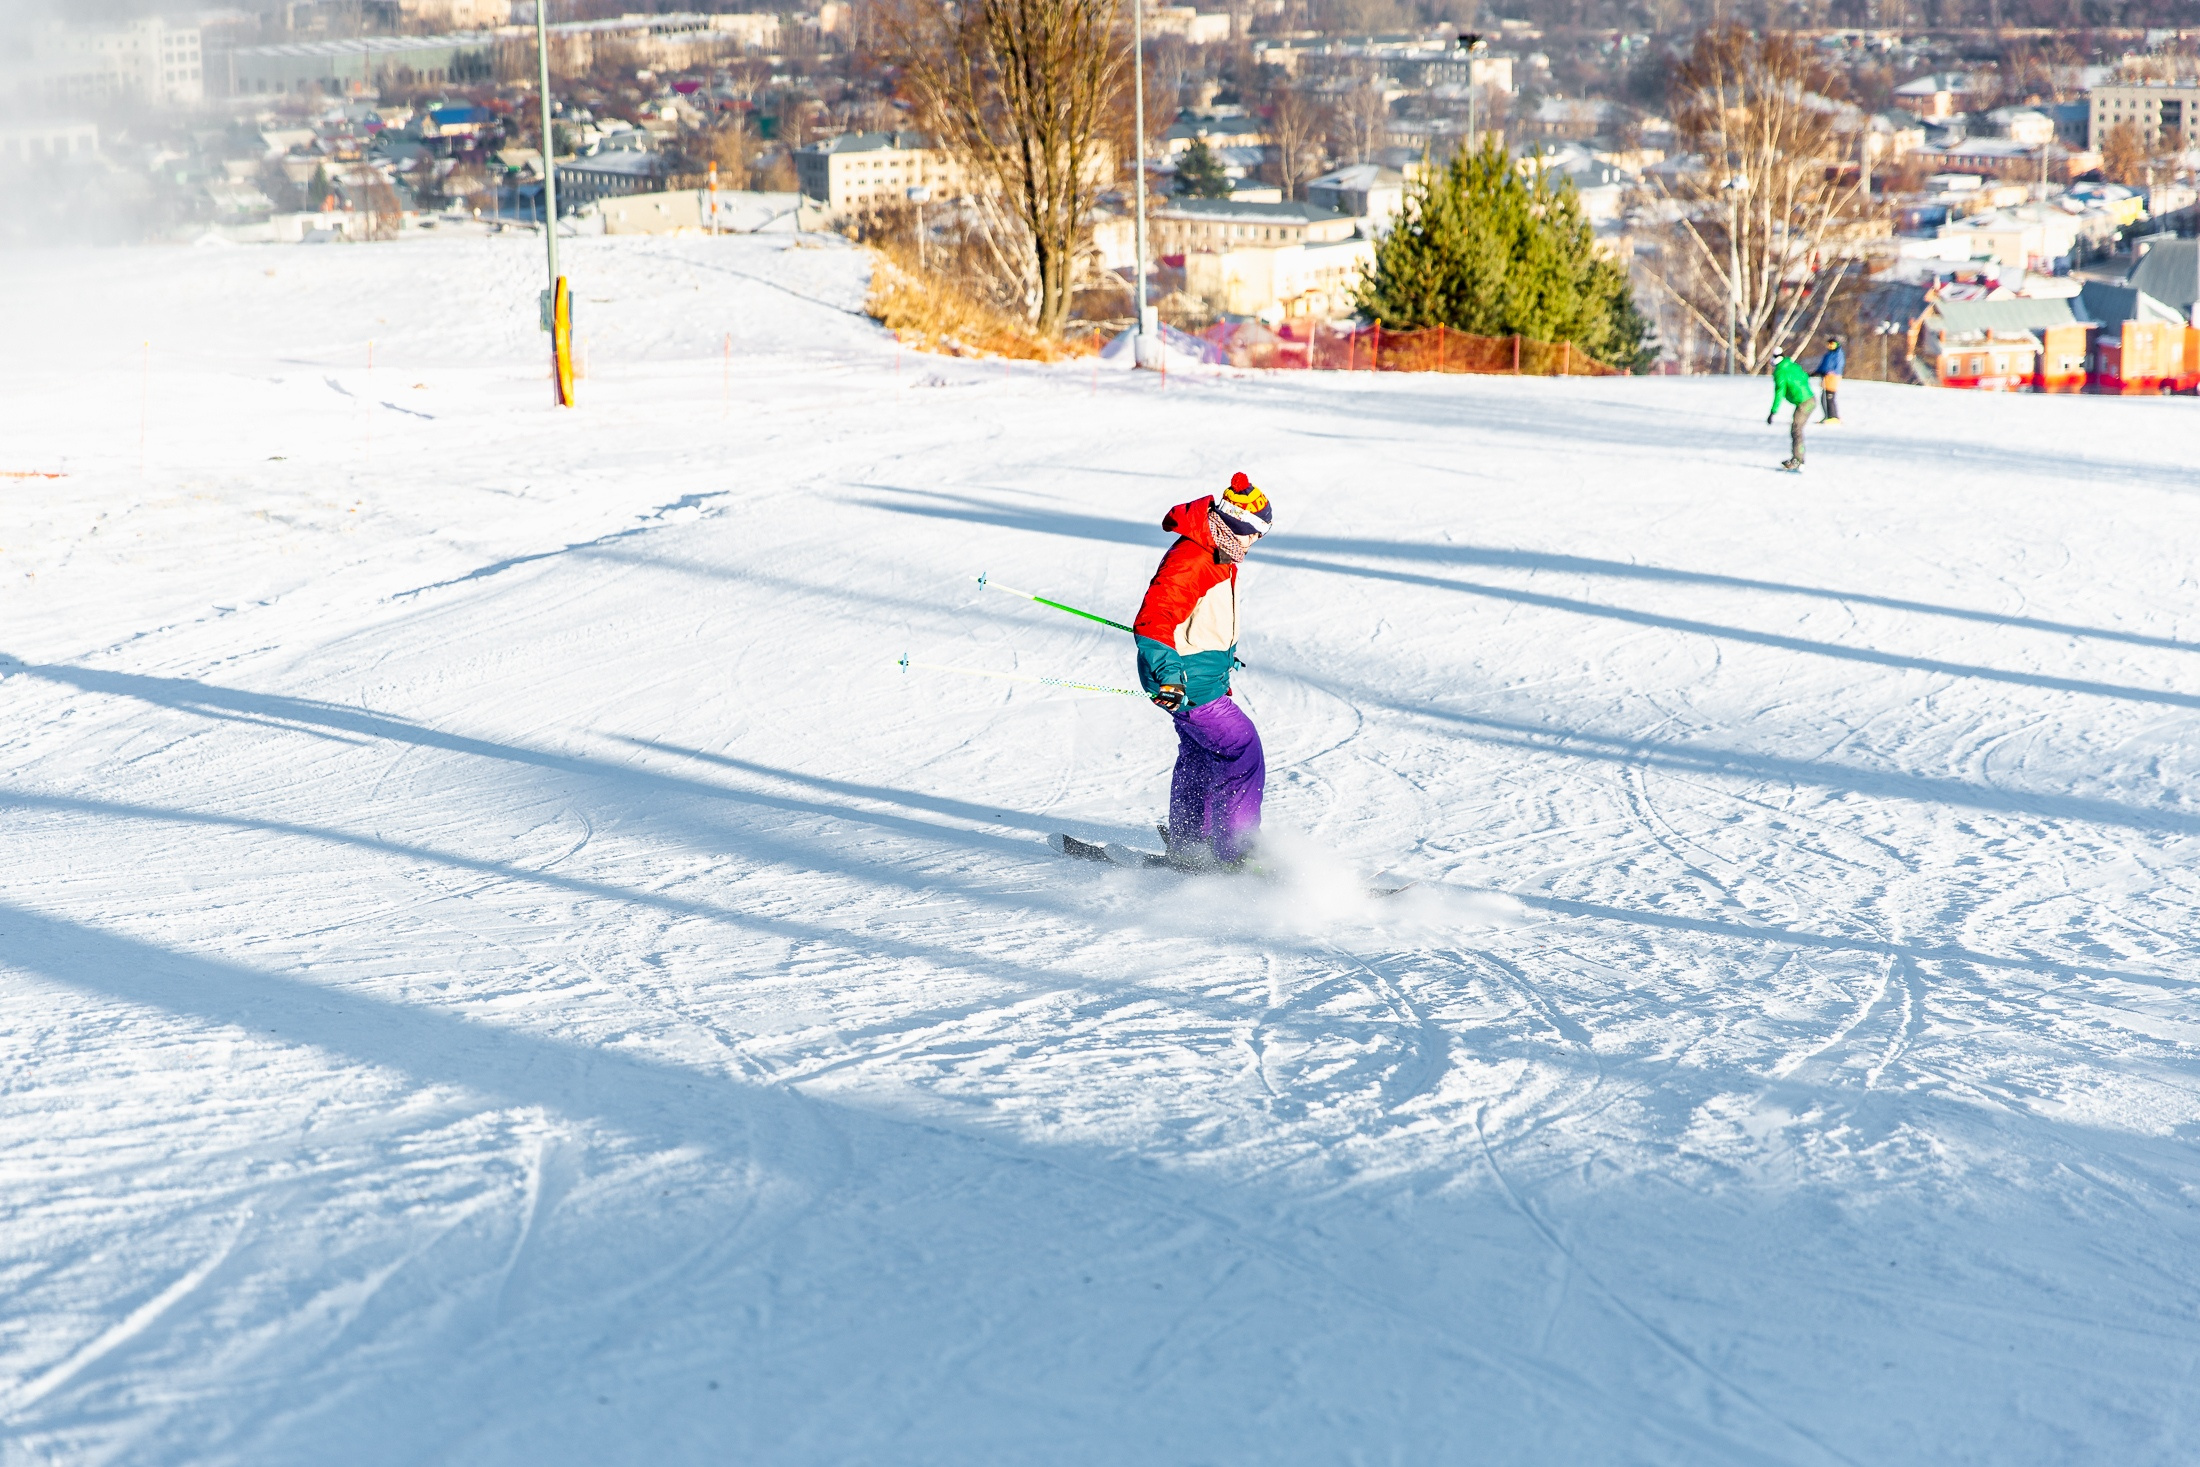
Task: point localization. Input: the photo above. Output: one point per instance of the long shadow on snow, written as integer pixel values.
(278, 711)
(1087, 1198)
(1091, 527)
(856, 943)
(1625, 426)
(321, 719)
(315, 717)
(345, 724)
(1712, 759)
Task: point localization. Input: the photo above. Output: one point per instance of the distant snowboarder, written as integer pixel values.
(1828, 373)
(1791, 384)
(1187, 630)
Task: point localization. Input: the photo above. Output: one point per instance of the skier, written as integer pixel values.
(1828, 373)
(1187, 631)
(1790, 384)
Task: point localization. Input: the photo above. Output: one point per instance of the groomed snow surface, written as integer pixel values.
(499, 966)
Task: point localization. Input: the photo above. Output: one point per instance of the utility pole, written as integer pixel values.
(1146, 345)
(557, 301)
(1469, 44)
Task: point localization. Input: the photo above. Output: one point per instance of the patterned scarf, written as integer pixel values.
(1229, 544)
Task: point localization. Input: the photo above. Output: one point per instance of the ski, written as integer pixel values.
(1112, 853)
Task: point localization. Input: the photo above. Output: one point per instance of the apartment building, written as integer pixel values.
(2151, 107)
(144, 61)
(858, 172)
(1187, 225)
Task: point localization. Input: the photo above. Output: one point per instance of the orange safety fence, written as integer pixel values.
(1317, 346)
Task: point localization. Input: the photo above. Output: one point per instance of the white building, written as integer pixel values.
(455, 15)
(143, 61)
(1186, 21)
(858, 172)
(2151, 107)
(36, 142)
(1366, 191)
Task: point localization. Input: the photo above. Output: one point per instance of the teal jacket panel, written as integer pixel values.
(1204, 676)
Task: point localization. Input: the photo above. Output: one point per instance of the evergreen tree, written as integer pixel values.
(1199, 173)
(1483, 248)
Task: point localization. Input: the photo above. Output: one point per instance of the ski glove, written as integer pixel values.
(1169, 698)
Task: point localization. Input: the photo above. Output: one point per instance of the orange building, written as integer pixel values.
(2143, 345)
(2017, 345)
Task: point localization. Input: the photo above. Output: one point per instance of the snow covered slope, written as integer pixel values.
(498, 965)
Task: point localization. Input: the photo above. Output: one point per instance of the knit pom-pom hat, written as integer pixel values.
(1244, 508)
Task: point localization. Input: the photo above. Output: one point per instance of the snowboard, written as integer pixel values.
(1113, 853)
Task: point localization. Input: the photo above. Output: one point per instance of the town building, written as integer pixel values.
(1600, 188)
(37, 142)
(1218, 130)
(1366, 191)
(2169, 272)
(144, 61)
(2005, 158)
(366, 63)
(859, 172)
(1188, 22)
(2042, 237)
(2141, 344)
(2026, 125)
(582, 181)
(2016, 345)
(1938, 96)
(2106, 339)
(2150, 107)
(1278, 282)
(454, 15)
(1186, 225)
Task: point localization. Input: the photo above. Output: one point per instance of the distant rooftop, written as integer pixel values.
(1252, 213)
(869, 142)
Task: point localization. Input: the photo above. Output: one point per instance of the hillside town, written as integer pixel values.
(2022, 215)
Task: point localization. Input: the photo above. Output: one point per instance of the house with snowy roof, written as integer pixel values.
(1937, 96)
(2169, 272)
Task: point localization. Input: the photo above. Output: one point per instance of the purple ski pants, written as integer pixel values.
(1214, 799)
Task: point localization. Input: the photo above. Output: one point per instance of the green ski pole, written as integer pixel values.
(1073, 611)
(1058, 606)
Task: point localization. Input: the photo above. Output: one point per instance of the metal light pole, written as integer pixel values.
(1470, 43)
(1733, 276)
(1146, 345)
(557, 301)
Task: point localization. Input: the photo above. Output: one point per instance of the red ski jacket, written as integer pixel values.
(1187, 626)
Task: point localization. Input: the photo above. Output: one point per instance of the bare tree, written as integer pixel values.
(1296, 127)
(1753, 228)
(1020, 91)
(1360, 121)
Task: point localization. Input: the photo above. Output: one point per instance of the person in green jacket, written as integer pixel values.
(1790, 383)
